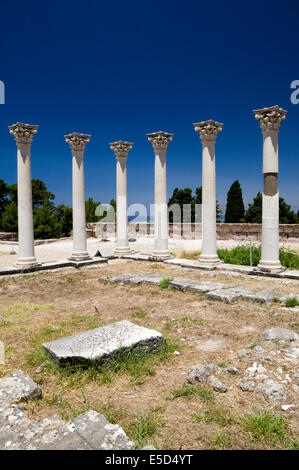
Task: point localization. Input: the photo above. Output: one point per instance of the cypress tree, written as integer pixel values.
(235, 211)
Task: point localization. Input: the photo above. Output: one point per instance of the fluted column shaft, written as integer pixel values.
(208, 131)
(23, 134)
(77, 143)
(121, 150)
(270, 119)
(160, 141)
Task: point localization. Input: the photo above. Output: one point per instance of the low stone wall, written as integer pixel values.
(8, 236)
(192, 231)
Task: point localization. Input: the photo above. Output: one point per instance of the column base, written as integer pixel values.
(80, 256)
(165, 254)
(26, 262)
(270, 266)
(126, 250)
(209, 260)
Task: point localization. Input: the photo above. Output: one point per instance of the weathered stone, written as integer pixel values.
(255, 369)
(17, 387)
(102, 345)
(258, 349)
(244, 353)
(139, 278)
(291, 352)
(197, 286)
(233, 371)
(88, 431)
(276, 334)
(149, 448)
(271, 390)
(217, 385)
(197, 374)
(247, 386)
(227, 295)
(264, 296)
(287, 407)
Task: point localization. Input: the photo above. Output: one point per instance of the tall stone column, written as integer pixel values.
(77, 143)
(121, 150)
(270, 119)
(23, 134)
(208, 131)
(160, 141)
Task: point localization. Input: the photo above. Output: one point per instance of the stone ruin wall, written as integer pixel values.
(190, 231)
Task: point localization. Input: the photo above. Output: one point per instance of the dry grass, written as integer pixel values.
(151, 405)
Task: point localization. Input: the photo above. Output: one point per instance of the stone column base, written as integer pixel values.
(270, 266)
(162, 254)
(26, 262)
(79, 256)
(209, 260)
(126, 250)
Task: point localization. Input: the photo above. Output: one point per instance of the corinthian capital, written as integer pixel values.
(23, 133)
(270, 118)
(208, 130)
(77, 141)
(121, 148)
(160, 140)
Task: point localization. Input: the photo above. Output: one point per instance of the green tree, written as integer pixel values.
(9, 217)
(4, 193)
(40, 194)
(90, 209)
(235, 211)
(181, 197)
(254, 211)
(64, 217)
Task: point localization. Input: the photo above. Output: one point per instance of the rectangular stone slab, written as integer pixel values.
(103, 344)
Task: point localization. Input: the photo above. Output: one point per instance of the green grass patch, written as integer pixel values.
(164, 284)
(139, 314)
(218, 415)
(220, 441)
(292, 302)
(265, 426)
(143, 427)
(190, 390)
(19, 309)
(241, 255)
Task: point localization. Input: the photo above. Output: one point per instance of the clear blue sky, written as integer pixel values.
(119, 70)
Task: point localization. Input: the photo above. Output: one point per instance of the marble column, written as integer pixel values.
(121, 150)
(160, 141)
(23, 134)
(270, 119)
(208, 131)
(77, 143)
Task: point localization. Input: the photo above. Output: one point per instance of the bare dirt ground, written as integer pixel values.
(40, 307)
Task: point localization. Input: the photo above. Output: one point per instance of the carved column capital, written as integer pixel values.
(270, 118)
(121, 148)
(23, 133)
(160, 140)
(77, 141)
(208, 130)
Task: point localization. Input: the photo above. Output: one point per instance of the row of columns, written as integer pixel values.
(269, 119)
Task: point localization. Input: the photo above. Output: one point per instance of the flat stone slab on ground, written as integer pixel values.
(278, 334)
(264, 296)
(18, 387)
(228, 295)
(88, 431)
(198, 286)
(139, 278)
(101, 345)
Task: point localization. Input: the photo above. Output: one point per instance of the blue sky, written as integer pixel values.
(119, 70)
